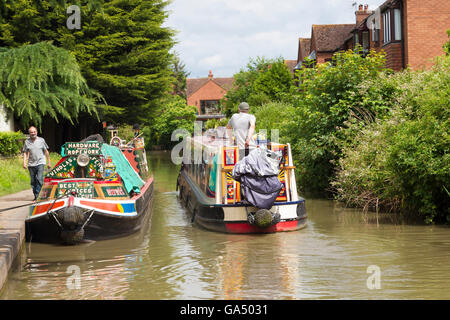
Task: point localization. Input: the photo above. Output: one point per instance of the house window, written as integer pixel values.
(365, 40)
(392, 25)
(356, 39)
(209, 106)
(387, 27)
(397, 24)
(375, 32)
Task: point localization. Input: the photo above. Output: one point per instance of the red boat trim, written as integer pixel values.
(43, 208)
(113, 207)
(56, 181)
(143, 189)
(60, 160)
(107, 182)
(245, 227)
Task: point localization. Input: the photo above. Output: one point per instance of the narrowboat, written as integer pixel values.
(215, 200)
(96, 191)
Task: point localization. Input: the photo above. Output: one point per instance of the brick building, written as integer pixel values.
(205, 93)
(290, 64)
(326, 38)
(411, 32)
(304, 48)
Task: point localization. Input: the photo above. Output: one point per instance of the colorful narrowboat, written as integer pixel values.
(96, 191)
(215, 201)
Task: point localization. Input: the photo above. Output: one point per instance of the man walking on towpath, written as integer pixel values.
(243, 125)
(35, 151)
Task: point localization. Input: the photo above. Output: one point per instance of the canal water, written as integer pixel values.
(341, 254)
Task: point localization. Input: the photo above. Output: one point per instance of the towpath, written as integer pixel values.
(12, 229)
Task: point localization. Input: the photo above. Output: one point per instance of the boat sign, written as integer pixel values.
(65, 169)
(82, 189)
(91, 148)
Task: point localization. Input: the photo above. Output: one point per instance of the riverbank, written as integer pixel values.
(12, 229)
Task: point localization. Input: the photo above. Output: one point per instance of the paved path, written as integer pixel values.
(12, 229)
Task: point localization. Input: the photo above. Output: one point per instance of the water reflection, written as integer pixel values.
(172, 259)
(105, 269)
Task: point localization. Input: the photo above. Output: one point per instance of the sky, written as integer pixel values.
(223, 35)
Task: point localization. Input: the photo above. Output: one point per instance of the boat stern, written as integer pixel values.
(285, 217)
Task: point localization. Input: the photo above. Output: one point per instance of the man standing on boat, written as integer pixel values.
(35, 151)
(243, 125)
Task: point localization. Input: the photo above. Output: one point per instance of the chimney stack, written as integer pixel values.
(210, 75)
(362, 13)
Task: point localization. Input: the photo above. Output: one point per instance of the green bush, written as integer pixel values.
(174, 114)
(126, 132)
(402, 163)
(214, 123)
(10, 143)
(447, 44)
(275, 115)
(329, 96)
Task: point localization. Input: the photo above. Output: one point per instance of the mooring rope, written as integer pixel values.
(15, 207)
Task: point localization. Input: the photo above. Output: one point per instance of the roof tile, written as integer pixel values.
(192, 85)
(328, 37)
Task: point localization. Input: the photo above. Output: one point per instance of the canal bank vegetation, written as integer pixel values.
(10, 143)
(13, 177)
(361, 133)
(401, 162)
(173, 114)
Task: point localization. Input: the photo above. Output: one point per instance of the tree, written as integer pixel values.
(179, 75)
(172, 115)
(41, 80)
(261, 82)
(122, 48)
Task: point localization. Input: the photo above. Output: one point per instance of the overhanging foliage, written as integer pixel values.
(41, 80)
(122, 47)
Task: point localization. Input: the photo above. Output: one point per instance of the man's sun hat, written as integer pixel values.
(244, 106)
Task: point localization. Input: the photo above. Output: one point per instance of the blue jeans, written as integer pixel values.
(37, 178)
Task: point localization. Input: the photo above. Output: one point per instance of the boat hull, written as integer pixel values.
(233, 218)
(102, 219)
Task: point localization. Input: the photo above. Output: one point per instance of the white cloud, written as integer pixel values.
(222, 35)
(213, 61)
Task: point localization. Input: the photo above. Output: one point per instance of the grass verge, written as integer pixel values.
(13, 177)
